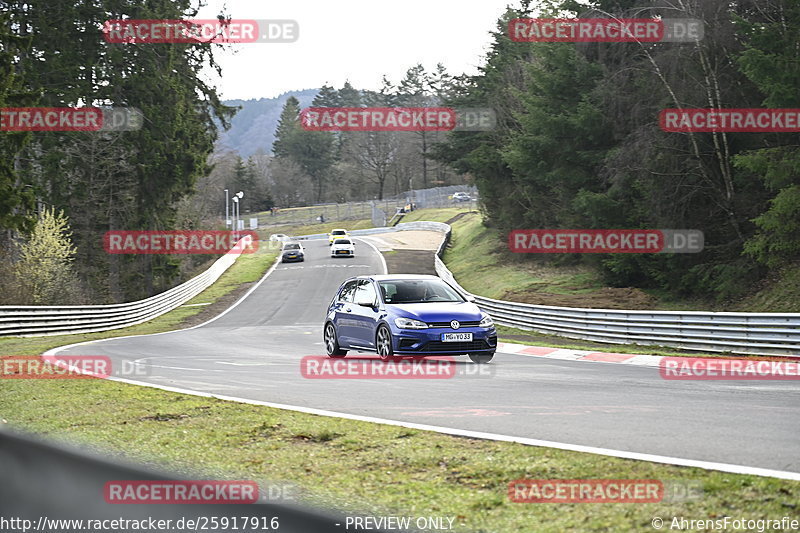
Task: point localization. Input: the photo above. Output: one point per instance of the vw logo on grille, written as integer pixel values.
(455, 324)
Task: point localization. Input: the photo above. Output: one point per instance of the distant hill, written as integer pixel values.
(253, 127)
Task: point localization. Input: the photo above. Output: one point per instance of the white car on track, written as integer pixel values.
(278, 237)
(344, 247)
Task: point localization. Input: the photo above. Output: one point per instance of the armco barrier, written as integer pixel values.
(39, 320)
(43, 483)
(740, 333)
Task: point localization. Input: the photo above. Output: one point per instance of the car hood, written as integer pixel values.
(439, 311)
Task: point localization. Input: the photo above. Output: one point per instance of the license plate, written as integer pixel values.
(342, 252)
(456, 337)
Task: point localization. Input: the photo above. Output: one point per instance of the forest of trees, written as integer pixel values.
(52, 54)
(578, 143)
(346, 166)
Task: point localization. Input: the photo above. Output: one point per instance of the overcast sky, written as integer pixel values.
(356, 40)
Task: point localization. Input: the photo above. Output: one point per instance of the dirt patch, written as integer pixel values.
(410, 262)
(459, 216)
(605, 298)
(406, 240)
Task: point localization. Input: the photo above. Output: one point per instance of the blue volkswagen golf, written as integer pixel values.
(406, 315)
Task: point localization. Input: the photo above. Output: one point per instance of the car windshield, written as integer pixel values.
(418, 291)
(339, 232)
(292, 246)
(342, 241)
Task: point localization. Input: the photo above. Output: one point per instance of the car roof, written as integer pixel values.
(339, 229)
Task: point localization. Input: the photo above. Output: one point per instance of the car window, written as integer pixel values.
(365, 292)
(339, 232)
(348, 291)
(342, 241)
(292, 247)
(418, 291)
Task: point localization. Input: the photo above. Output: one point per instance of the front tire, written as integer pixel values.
(481, 358)
(332, 343)
(383, 343)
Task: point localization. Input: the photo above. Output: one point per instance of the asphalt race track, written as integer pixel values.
(254, 351)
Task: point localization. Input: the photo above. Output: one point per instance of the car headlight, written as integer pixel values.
(486, 322)
(410, 323)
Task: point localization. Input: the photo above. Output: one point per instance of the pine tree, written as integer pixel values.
(288, 127)
(16, 199)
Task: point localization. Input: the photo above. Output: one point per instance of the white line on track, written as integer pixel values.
(383, 260)
(693, 463)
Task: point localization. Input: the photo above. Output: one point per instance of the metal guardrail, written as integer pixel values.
(39, 320)
(402, 226)
(739, 333)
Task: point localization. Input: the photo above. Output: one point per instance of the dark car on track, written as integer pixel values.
(401, 315)
(292, 251)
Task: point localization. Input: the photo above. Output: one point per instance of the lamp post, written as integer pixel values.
(227, 206)
(235, 217)
(239, 196)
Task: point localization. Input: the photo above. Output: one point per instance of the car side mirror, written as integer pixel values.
(470, 298)
(366, 302)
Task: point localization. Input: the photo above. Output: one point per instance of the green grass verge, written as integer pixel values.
(308, 214)
(248, 268)
(778, 295)
(310, 229)
(365, 467)
(474, 253)
(441, 214)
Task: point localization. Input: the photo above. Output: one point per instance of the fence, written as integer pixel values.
(422, 198)
(39, 320)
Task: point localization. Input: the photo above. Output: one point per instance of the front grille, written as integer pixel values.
(468, 324)
(439, 346)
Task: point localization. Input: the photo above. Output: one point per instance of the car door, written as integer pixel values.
(343, 307)
(365, 317)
